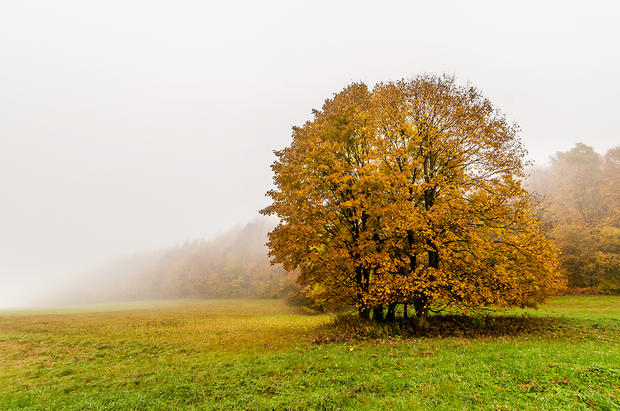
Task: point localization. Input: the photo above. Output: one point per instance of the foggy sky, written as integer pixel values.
(134, 125)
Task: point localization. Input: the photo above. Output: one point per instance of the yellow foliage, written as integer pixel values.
(410, 193)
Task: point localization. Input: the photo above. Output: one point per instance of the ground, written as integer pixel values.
(263, 354)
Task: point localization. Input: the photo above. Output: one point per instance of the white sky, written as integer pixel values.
(135, 125)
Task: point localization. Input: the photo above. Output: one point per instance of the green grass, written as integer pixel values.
(254, 354)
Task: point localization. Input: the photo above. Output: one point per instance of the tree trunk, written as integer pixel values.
(421, 308)
(391, 313)
(364, 313)
(433, 255)
(405, 316)
(358, 281)
(377, 313)
(361, 279)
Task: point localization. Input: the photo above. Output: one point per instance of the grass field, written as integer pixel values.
(255, 354)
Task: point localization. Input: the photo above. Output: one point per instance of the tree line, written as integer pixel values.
(231, 265)
(579, 194)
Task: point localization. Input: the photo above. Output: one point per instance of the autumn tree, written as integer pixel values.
(325, 182)
(411, 194)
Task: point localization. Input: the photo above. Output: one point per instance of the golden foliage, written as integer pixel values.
(410, 193)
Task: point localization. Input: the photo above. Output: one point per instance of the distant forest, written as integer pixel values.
(231, 265)
(579, 195)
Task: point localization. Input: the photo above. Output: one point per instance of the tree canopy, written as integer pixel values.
(410, 193)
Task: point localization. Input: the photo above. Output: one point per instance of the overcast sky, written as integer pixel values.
(134, 125)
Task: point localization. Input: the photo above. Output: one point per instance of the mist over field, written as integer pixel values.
(136, 137)
(231, 265)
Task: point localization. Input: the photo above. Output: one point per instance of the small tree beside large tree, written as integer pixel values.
(410, 193)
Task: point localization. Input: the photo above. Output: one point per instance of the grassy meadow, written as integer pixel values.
(263, 354)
